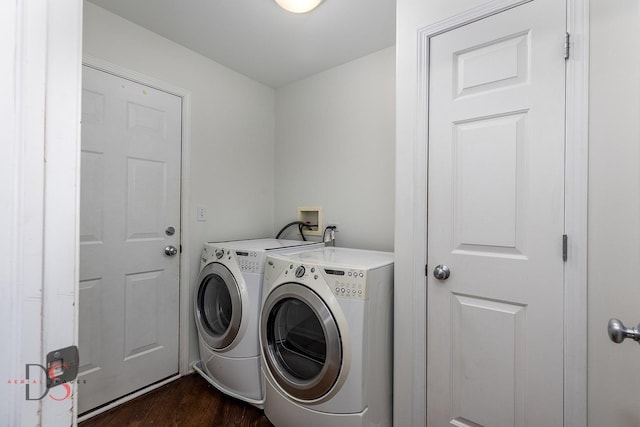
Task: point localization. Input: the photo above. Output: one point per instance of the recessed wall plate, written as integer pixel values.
(311, 215)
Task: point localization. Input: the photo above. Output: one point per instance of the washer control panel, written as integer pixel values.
(344, 283)
(249, 261)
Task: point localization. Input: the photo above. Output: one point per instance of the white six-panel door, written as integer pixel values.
(130, 196)
(496, 220)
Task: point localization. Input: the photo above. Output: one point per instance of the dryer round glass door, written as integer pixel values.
(301, 341)
(218, 306)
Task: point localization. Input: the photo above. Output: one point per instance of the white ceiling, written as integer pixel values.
(262, 41)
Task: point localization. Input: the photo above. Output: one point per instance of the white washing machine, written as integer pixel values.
(326, 331)
(227, 308)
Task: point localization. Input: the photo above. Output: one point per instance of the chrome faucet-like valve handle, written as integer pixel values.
(618, 332)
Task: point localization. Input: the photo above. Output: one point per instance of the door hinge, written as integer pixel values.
(180, 248)
(567, 45)
(426, 269)
(565, 249)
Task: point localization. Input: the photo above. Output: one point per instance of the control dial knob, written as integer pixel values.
(300, 271)
(219, 253)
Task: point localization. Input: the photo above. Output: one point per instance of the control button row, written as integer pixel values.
(349, 285)
(346, 291)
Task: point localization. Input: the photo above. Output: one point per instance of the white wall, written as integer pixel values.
(232, 131)
(614, 210)
(335, 149)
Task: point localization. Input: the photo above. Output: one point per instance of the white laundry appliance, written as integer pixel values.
(326, 331)
(227, 309)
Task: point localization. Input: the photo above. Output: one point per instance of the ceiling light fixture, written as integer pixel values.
(298, 6)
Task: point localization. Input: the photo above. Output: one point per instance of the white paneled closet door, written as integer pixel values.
(496, 220)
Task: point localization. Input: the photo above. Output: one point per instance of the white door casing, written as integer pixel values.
(496, 218)
(129, 287)
(40, 70)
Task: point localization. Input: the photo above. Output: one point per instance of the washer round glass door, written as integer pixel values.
(218, 306)
(301, 341)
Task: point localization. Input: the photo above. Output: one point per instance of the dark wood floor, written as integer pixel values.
(188, 401)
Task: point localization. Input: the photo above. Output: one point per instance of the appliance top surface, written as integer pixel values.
(340, 257)
(261, 244)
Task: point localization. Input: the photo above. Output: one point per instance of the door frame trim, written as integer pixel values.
(413, 337)
(41, 57)
(185, 192)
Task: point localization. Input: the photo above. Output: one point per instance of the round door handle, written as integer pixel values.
(618, 332)
(441, 272)
(170, 250)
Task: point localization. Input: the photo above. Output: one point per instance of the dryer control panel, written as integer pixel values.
(347, 283)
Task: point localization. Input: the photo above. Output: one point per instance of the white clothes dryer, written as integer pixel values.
(227, 306)
(326, 331)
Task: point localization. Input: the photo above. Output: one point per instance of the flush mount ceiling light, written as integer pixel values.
(298, 6)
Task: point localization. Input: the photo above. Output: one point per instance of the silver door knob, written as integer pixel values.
(170, 250)
(441, 272)
(618, 332)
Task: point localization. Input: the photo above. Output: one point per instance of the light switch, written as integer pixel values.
(201, 213)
